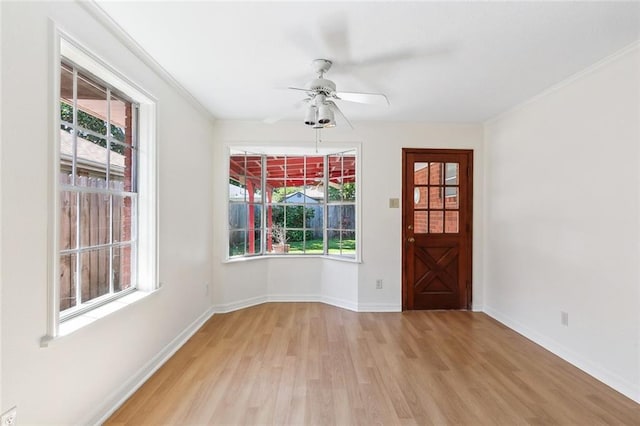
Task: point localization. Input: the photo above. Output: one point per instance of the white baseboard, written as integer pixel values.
(240, 304)
(379, 307)
(333, 301)
(340, 303)
(612, 380)
(117, 398)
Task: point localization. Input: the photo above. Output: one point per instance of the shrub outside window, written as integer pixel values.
(292, 204)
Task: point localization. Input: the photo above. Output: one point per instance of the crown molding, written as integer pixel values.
(116, 30)
(567, 81)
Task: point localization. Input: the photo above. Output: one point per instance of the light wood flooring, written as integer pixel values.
(310, 363)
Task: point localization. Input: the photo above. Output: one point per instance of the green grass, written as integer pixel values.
(312, 247)
(315, 246)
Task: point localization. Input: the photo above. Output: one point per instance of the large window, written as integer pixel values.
(97, 189)
(292, 204)
(104, 238)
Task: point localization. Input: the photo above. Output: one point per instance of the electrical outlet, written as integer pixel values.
(564, 318)
(206, 287)
(378, 284)
(9, 417)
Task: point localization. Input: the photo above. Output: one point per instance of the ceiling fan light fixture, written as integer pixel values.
(310, 117)
(325, 116)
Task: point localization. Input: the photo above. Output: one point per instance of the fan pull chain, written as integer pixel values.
(317, 139)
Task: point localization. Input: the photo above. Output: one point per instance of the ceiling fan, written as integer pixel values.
(321, 107)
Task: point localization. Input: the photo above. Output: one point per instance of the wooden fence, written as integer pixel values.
(86, 220)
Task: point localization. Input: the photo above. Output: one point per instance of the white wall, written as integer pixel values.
(78, 377)
(350, 285)
(562, 220)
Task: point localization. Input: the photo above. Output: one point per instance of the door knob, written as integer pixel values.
(410, 227)
(411, 239)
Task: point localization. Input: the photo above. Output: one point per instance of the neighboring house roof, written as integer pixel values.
(311, 197)
(236, 193)
(89, 155)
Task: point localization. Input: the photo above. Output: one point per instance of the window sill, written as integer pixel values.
(291, 256)
(74, 324)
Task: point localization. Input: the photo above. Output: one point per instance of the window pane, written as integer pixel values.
(91, 163)
(294, 216)
(256, 211)
(66, 89)
(254, 190)
(68, 217)
(451, 222)
(237, 216)
(335, 189)
(334, 218)
(436, 173)
(314, 190)
(291, 187)
(237, 192)
(279, 239)
(315, 167)
(420, 221)
(254, 238)
(348, 244)
(451, 174)
(124, 219)
(349, 166)
(94, 219)
(94, 271)
(436, 222)
(120, 120)
(237, 169)
(420, 173)
(435, 198)
(420, 197)
(67, 281)
(123, 262)
(92, 105)
(295, 170)
(120, 167)
(313, 242)
(237, 242)
(253, 167)
(314, 216)
(335, 166)
(451, 198)
(334, 238)
(349, 191)
(348, 217)
(275, 167)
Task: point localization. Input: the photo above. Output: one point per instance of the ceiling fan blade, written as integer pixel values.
(364, 98)
(334, 33)
(299, 88)
(339, 113)
(285, 114)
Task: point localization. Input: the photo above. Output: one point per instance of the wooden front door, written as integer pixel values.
(436, 219)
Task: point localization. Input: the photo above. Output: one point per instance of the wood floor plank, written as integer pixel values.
(310, 363)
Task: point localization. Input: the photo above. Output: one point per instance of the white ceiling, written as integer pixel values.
(447, 61)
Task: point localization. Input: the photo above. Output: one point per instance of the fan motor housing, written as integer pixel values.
(322, 85)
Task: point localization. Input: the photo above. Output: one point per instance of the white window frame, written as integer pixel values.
(297, 149)
(146, 271)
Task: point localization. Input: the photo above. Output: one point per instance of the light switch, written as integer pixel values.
(394, 203)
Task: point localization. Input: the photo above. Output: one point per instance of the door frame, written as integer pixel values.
(408, 195)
